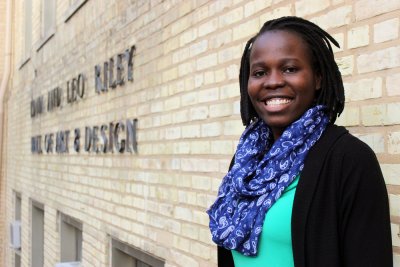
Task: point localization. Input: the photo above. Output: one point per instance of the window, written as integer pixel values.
(37, 241)
(74, 6)
(71, 239)
(26, 32)
(48, 22)
(124, 255)
(17, 216)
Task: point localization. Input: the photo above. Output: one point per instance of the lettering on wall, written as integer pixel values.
(118, 137)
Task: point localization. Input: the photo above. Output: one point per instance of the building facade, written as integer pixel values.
(121, 117)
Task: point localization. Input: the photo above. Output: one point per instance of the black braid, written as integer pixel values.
(331, 93)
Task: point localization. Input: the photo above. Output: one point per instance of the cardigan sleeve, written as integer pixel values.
(363, 209)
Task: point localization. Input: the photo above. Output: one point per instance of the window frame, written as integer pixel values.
(73, 8)
(39, 206)
(135, 253)
(47, 33)
(77, 225)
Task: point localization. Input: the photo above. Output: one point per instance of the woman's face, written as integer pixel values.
(282, 82)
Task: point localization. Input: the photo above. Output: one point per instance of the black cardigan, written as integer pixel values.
(340, 213)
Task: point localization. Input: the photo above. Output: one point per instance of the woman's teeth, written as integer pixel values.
(277, 101)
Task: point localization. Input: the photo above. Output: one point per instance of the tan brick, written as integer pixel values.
(181, 148)
(233, 127)
(231, 53)
(170, 74)
(190, 131)
(395, 234)
(209, 77)
(188, 36)
(391, 173)
(393, 85)
(386, 30)
(394, 203)
(394, 143)
(185, 8)
(220, 110)
(199, 113)
(200, 250)
(171, 44)
(211, 129)
(307, 7)
(180, 55)
(382, 59)
(184, 260)
(198, 48)
(173, 133)
(357, 37)
(376, 141)
(185, 68)
(172, 103)
(372, 115)
(231, 17)
(396, 260)
(334, 18)
(189, 99)
(181, 243)
(207, 61)
(200, 217)
(339, 37)
(198, 80)
(221, 38)
(246, 29)
(250, 9)
(191, 231)
(156, 106)
(232, 71)
(236, 108)
(205, 235)
(201, 182)
(222, 147)
(370, 8)
(180, 25)
(392, 115)
(199, 165)
(346, 65)
(208, 95)
(364, 89)
(229, 91)
(208, 27)
(200, 147)
(349, 117)
(276, 13)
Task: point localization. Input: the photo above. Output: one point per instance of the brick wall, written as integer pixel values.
(185, 95)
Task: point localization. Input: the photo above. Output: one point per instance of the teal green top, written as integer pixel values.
(275, 243)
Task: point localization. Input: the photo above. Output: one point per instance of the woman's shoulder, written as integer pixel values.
(347, 145)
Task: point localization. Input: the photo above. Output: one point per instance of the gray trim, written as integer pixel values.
(73, 9)
(37, 204)
(137, 254)
(70, 220)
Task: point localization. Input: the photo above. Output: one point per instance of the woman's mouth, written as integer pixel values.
(277, 101)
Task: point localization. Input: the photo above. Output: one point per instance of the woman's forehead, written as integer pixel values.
(279, 41)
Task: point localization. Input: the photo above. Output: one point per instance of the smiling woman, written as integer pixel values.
(282, 83)
(300, 190)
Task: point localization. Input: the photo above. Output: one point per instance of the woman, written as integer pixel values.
(300, 191)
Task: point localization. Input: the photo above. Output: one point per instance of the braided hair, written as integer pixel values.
(318, 41)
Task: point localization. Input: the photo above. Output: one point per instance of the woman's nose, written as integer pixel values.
(274, 80)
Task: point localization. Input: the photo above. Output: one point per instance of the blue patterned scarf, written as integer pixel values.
(262, 170)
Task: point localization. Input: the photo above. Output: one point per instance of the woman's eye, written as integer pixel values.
(290, 69)
(259, 73)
